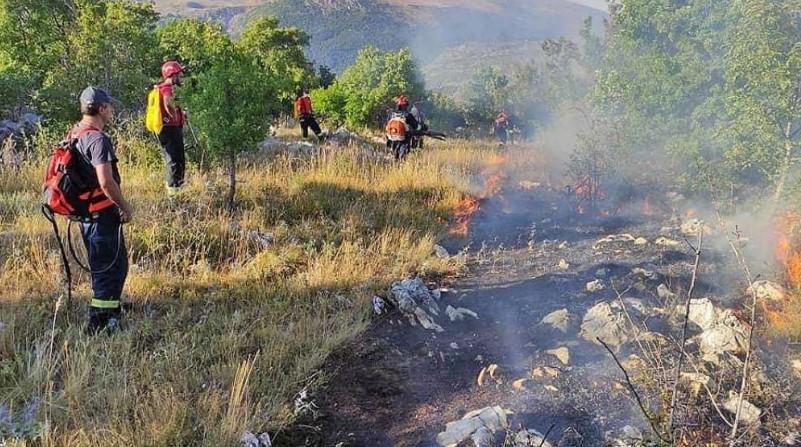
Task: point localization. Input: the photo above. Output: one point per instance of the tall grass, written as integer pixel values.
(227, 323)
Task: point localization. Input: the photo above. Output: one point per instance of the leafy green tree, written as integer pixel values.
(231, 99)
(364, 92)
(281, 52)
(60, 46)
(763, 76)
(488, 92)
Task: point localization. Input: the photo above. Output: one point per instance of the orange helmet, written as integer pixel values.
(170, 69)
(402, 101)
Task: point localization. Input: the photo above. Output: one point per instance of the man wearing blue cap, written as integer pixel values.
(102, 236)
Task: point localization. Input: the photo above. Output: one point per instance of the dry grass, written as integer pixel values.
(225, 330)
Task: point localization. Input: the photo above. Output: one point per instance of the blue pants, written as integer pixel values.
(103, 238)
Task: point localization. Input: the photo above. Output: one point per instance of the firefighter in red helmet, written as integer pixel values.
(172, 135)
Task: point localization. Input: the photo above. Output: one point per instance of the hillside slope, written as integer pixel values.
(339, 28)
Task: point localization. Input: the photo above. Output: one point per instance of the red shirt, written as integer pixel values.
(304, 106)
(177, 114)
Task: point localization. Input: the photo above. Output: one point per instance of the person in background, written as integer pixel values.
(304, 113)
(172, 135)
(501, 127)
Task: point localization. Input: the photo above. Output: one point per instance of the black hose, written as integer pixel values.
(48, 213)
(86, 267)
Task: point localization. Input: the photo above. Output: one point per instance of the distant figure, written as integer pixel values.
(501, 127)
(417, 137)
(172, 135)
(401, 128)
(305, 114)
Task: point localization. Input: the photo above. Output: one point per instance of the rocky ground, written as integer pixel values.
(510, 353)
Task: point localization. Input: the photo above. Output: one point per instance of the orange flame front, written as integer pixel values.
(787, 252)
(470, 205)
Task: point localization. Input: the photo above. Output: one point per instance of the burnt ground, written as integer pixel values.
(399, 385)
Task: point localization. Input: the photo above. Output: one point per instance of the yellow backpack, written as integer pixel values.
(154, 121)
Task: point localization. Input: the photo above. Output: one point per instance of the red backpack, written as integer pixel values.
(68, 192)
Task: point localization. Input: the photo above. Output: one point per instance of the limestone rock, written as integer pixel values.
(749, 412)
(694, 227)
(459, 313)
(702, 313)
(441, 252)
(562, 354)
(486, 420)
(604, 323)
(528, 438)
(559, 319)
(664, 293)
(767, 291)
(595, 286)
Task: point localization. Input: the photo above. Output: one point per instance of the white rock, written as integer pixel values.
(694, 227)
(702, 313)
(563, 265)
(595, 286)
(602, 322)
(767, 291)
(664, 293)
(665, 242)
(426, 321)
(749, 412)
(559, 319)
(380, 306)
(563, 354)
(491, 419)
(459, 313)
(528, 438)
(482, 437)
(641, 241)
(441, 252)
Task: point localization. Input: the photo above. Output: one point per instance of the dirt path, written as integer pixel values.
(400, 385)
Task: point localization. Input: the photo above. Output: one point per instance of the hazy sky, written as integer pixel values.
(597, 4)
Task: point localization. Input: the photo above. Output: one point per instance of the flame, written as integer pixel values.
(465, 210)
(469, 206)
(787, 252)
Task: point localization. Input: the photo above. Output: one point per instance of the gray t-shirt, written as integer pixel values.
(96, 149)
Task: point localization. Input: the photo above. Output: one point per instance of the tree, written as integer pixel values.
(280, 52)
(764, 80)
(487, 93)
(60, 46)
(364, 92)
(232, 98)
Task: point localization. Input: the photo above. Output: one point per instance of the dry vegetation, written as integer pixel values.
(226, 327)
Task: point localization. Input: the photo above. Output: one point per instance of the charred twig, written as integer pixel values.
(545, 436)
(709, 392)
(634, 391)
(749, 278)
(677, 376)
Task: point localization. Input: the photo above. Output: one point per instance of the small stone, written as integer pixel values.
(459, 313)
(702, 313)
(595, 286)
(551, 388)
(441, 252)
(563, 265)
(528, 438)
(519, 384)
(601, 321)
(796, 364)
(641, 241)
(563, 354)
(694, 227)
(767, 291)
(664, 293)
(559, 319)
(544, 371)
(380, 306)
(749, 413)
(665, 242)
(454, 345)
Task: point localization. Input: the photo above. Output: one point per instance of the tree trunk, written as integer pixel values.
(788, 160)
(231, 180)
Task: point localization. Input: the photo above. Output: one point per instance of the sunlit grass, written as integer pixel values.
(226, 326)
